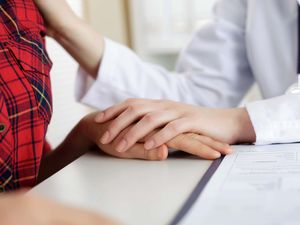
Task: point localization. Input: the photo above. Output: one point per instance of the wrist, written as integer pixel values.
(84, 44)
(75, 145)
(245, 129)
(84, 132)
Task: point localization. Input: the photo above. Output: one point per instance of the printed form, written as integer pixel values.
(256, 185)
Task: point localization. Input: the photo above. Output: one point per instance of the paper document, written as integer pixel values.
(253, 186)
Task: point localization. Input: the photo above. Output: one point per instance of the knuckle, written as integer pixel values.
(108, 111)
(159, 137)
(133, 109)
(208, 139)
(113, 127)
(179, 141)
(131, 101)
(193, 135)
(149, 118)
(130, 137)
(174, 127)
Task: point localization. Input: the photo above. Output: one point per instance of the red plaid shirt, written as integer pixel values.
(25, 93)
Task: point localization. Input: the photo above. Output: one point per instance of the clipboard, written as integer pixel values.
(197, 191)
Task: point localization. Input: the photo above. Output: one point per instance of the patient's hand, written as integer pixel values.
(198, 145)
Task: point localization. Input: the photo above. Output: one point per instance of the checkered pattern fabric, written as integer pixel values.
(25, 93)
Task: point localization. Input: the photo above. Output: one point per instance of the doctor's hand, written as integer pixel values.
(194, 144)
(172, 118)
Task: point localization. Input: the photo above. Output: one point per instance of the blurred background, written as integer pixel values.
(155, 29)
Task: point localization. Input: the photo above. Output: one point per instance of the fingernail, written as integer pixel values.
(99, 117)
(105, 138)
(217, 154)
(149, 145)
(225, 146)
(122, 146)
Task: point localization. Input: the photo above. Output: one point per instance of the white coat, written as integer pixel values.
(248, 41)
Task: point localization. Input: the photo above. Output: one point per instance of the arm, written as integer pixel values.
(230, 126)
(203, 76)
(77, 37)
(86, 136)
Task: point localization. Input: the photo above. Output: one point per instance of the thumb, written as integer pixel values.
(197, 147)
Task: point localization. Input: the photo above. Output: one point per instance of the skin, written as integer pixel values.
(87, 47)
(33, 210)
(80, 40)
(227, 125)
(87, 133)
(84, 44)
(24, 209)
(198, 145)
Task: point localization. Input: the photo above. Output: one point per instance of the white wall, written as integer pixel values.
(109, 17)
(66, 111)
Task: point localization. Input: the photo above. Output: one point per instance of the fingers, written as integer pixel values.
(146, 125)
(129, 116)
(153, 113)
(124, 120)
(124, 115)
(223, 148)
(199, 145)
(139, 152)
(194, 146)
(110, 113)
(115, 110)
(170, 131)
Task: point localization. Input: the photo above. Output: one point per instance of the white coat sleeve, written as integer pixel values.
(213, 70)
(276, 120)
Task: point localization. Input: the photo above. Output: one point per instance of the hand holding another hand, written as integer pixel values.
(171, 119)
(198, 145)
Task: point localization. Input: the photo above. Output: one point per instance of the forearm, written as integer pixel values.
(77, 37)
(75, 145)
(83, 43)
